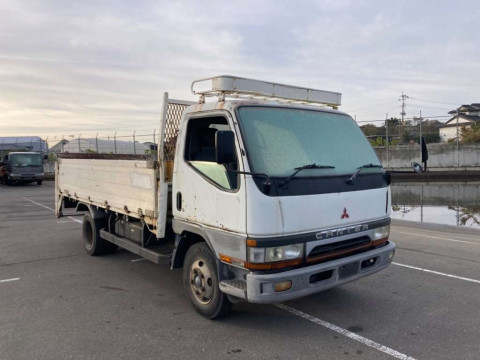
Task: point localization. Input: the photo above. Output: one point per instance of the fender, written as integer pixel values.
(94, 211)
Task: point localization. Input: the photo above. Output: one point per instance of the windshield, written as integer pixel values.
(23, 160)
(278, 140)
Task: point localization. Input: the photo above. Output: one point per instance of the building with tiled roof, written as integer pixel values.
(463, 117)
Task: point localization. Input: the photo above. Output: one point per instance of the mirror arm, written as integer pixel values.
(266, 185)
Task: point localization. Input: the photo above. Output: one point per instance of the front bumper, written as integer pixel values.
(26, 177)
(260, 287)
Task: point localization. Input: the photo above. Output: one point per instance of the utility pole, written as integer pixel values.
(387, 143)
(420, 142)
(403, 113)
(458, 137)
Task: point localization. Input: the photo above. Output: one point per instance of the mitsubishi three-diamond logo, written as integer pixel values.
(345, 214)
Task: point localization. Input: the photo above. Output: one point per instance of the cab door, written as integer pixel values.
(204, 192)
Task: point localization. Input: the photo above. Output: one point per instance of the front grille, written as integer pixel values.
(340, 247)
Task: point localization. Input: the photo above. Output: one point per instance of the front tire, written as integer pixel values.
(200, 280)
(39, 182)
(94, 245)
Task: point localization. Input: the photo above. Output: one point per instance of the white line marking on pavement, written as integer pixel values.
(436, 237)
(8, 280)
(49, 208)
(135, 260)
(76, 220)
(36, 203)
(346, 333)
(438, 273)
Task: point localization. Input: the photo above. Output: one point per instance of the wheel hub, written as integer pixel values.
(201, 282)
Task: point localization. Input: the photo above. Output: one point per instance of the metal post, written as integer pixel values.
(458, 138)
(458, 207)
(46, 145)
(96, 143)
(421, 205)
(388, 142)
(154, 136)
(134, 148)
(420, 142)
(115, 141)
(79, 138)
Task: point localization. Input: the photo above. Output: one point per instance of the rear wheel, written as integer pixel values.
(200, 280)
(93, 243)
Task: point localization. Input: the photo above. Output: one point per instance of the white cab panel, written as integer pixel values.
(290, 215)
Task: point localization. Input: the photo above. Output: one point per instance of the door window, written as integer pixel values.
(200, 151)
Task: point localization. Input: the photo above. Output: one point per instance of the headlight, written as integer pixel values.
(274, 254)
(381, 232)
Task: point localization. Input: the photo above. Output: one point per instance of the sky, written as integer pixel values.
(87, 67)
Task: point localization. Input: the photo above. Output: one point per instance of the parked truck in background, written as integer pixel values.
(265, 194)
(21, 167)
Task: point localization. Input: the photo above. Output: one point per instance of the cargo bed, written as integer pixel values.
(125, 184)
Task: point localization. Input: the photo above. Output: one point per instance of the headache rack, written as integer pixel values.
(237, 87)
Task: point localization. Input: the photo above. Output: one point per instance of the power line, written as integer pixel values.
(434, 102)
(412, 118)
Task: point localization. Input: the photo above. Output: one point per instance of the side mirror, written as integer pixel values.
(417, 168)
(225, 147)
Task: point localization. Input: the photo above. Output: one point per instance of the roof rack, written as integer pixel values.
(233, 86)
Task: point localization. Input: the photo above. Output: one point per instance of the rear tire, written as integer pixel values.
(200, 280)
(94, 245)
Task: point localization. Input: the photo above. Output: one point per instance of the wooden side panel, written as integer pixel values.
(124, 186)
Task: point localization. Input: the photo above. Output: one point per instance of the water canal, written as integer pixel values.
(448, 203)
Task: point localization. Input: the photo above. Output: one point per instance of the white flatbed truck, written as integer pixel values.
(265, 194)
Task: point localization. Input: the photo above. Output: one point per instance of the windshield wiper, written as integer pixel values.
(352, 178)
(298, 169)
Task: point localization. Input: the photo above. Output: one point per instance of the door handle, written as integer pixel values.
(179, 201)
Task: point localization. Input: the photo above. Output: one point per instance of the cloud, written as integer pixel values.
(86, 66)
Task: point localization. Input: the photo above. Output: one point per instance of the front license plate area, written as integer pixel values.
(348, 270)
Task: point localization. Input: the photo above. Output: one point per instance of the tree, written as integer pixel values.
(470, 135)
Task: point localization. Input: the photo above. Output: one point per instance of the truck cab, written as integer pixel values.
(271, 187)
(21, 167)
(270, 194)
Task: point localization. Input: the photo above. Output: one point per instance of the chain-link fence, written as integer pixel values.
(394, 132)
(144, 144)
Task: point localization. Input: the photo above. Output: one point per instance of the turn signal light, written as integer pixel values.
(283, 286)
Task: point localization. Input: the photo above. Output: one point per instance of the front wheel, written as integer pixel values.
(200, 280)
(39, 182)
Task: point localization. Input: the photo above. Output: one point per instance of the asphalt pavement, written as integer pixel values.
(56, 302)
